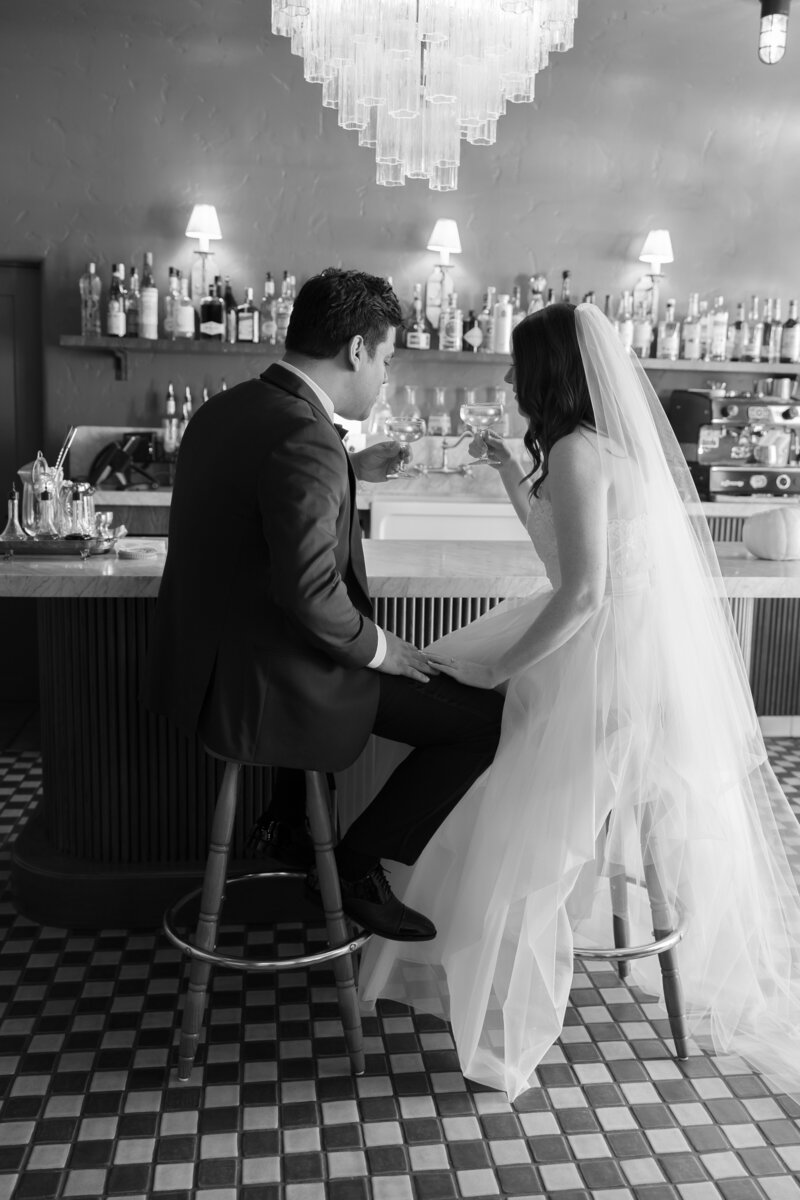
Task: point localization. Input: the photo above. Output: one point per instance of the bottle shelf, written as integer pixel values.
(120, 348)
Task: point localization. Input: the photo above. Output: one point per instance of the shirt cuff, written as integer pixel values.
(380, 653)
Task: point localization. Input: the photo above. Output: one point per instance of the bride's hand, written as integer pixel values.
(489, 447)
(473, 674)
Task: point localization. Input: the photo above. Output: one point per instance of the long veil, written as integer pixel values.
(631, 765)
(706, 811)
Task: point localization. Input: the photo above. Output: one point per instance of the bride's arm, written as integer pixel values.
(578, 497)
(577, 493)
(509, 470)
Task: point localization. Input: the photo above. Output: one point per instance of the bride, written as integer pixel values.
(630, 756)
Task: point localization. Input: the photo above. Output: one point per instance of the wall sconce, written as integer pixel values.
(773, 31)
(439, 288)
(657, 249)
(204, 225)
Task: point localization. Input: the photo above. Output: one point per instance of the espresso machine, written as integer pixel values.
(740, 443)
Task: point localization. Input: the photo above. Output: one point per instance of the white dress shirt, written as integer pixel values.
(325, 401)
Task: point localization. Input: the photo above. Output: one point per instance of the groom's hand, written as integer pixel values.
(373, 464)
(404, 659)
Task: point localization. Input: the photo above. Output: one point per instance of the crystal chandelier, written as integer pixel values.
(415, 78)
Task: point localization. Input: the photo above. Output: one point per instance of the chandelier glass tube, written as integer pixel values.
(415, 78)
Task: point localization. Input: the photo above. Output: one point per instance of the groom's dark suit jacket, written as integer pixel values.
(263, 626)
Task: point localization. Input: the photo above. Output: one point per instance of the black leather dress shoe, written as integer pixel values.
(372, 904)
(287, 844)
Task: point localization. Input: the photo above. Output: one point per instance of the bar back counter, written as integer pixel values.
(123, 823)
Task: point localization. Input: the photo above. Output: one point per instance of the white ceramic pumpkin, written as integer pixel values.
(774, 534)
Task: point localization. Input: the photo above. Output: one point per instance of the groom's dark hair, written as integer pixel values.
(335, 306)
(550, 382)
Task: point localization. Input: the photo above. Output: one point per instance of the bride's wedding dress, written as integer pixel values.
(632, 753)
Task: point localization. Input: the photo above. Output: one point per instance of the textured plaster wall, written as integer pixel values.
(118, 116)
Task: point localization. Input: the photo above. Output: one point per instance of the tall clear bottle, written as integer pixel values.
(790, 336)
(775, 333)
(148, 301)
(736, 330)
(486, 320)
(518, 308)
(503, 318)
(451, 326)
(690, 330)
(184, 313)
(668, 342)
(266, 324)
(753, 337)
(719, 330)
(91, 289)
(566, 287)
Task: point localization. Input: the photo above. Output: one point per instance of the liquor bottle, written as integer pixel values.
(90, 288)
(566, 288)
(416, 331)
(169, 425)
(283, 308)
(169, 305)
(625, 320)
(212, 314)
(753, 337)
(451, 327)
(790, 337)
(184, 313)
(186, 413)
(690, 330)
(381, 412)
(437, 290)
(518, 312)
(205, 395)
(439, 422)
(736, 335)
(589, 298)
(775, 333)
(115, 313)
(230, 312)
(473, 335)
(536, 295)
(643, 332)
(132, 305)
(719, 330)
(668, 342)
(266, 323)
(607, 308)
(247, 319)
(148, 301)
(503, 316)
(705, 331)
(486, 320)
(550, 299)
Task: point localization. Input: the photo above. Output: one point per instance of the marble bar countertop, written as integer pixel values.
(395, 568)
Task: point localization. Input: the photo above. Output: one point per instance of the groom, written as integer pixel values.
(264, 643)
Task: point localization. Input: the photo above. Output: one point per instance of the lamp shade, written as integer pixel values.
(445, 237)
(657, 247)
(204, 223)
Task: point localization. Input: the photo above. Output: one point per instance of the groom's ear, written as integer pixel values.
(355, 352)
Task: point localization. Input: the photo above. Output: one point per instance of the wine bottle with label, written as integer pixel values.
(184, 314)
(115, 312)
(212, 314)
(416, 332)
(132, 305)
(148, 301)
(90, 289)
(690, 330)
(790, 336)
(247, 319)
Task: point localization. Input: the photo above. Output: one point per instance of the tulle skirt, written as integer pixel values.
(601, 785)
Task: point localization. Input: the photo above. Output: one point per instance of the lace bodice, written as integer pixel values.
(628, 554)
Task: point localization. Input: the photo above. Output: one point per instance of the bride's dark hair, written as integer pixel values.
(552, 391)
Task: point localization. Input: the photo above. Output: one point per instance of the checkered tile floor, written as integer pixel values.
(89, 1108)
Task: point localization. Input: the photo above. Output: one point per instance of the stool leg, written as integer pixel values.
(668, 961)
(318, 813)
(620, 922)
(211, 900)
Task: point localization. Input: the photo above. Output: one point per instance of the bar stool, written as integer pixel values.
(666, 935)
(202, 950)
